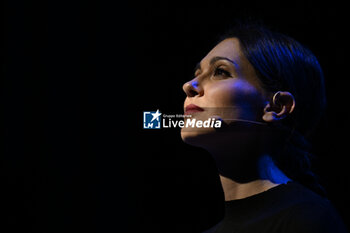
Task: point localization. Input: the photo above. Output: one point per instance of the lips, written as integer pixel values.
(192, 108)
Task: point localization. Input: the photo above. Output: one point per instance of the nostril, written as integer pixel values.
(193, 93)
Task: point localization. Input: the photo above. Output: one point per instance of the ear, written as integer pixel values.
(282, 105)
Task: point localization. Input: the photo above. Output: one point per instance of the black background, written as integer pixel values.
(77, 78)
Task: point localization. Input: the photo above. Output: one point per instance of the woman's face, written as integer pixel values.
(225, 86)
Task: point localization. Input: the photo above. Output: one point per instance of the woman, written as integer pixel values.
(268, 92)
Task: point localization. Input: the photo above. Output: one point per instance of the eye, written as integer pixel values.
(221, 72)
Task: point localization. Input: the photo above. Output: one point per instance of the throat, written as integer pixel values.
(234, 190)
(269, 176)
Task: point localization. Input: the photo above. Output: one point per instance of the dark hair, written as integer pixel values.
(283, 64)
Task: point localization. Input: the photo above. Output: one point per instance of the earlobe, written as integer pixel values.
(269, 116)
(282, 105)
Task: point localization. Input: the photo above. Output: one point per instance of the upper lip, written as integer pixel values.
(193, 107)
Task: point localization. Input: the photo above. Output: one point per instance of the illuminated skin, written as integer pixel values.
(226, 79)
(219, 84)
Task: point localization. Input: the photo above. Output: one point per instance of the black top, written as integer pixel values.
(285, 208)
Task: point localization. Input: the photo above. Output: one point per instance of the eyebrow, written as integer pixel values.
(215, 59)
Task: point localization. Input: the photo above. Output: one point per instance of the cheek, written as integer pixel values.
(231, 92)
(235, 99)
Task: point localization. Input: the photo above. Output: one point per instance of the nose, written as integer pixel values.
(192, 88)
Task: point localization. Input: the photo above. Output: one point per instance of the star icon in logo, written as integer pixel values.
(156, 115)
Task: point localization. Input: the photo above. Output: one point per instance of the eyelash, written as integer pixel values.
(220, 71)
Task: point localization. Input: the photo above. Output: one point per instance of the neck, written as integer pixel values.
(234, 190)
(246, 170)
(269, 176)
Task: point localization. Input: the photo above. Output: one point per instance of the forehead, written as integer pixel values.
(228, 48)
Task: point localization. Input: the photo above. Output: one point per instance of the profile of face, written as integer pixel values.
(225, 87)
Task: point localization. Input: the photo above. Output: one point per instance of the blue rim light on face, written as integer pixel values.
(195, 84)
